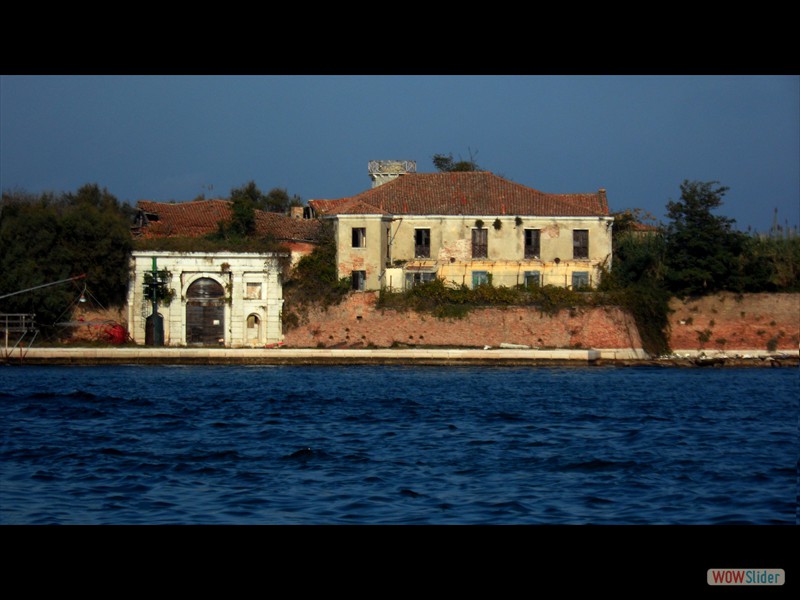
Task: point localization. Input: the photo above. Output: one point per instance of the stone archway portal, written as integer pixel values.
(205, 313)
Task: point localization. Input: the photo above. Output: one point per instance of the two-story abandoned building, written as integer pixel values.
(466, 228)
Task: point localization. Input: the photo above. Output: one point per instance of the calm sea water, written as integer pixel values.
(397, 445)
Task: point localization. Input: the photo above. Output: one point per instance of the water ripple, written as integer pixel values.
(397, 445)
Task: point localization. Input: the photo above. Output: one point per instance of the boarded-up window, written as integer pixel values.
(480, 243)
(253, 291)
(580, 243)
(532, 243)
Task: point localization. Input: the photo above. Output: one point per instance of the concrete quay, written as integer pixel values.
(148, 355)
(312, 356)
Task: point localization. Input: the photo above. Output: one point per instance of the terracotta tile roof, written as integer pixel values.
(347, 206)
(200, 217)
(467, 193)
(283, 227)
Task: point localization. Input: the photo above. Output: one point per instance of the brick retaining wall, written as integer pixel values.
(729, 321)
(358, 323)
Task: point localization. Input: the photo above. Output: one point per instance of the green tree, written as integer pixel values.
(245, 201)
(279, 201)
(636, 279)
(446, 163)
(702, 251)
(49, 238)
(772, 264)
(637, 254)
(97, 241)
(315, 279)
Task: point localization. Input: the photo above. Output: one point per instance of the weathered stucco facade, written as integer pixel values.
(468, 228)
(507, 260)
(220, 299)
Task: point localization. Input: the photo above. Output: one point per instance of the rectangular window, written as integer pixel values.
(422, 243)
(414, 279)
(533, 279)
(359, 279)
(580, 280)
(480, 243)
(580, 243)
(253, 291)
(359, 237)
(480, 278)
(532, 246)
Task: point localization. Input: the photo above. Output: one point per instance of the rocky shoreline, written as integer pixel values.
(778, 360)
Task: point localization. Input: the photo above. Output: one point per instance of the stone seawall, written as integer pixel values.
(357, 322)
(139, 355)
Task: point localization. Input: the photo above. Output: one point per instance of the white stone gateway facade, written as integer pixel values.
(219, 299)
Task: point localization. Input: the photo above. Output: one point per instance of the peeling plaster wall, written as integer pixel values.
(371, 258)
(451, 248)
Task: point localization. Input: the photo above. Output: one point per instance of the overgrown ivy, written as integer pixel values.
(159, 286)
(636, 282)
(210, 243)
(443, 301)
(314, 281)
(648, 304)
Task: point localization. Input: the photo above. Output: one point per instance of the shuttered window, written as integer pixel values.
(480, 243)
(580, 243)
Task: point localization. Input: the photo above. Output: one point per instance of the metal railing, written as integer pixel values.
(15, 329)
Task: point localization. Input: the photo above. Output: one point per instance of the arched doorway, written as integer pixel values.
(205, 313)
(253, 329)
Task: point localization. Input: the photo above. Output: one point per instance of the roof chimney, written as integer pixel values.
(383, 171)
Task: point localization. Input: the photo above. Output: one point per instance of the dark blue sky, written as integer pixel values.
(173, 138)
